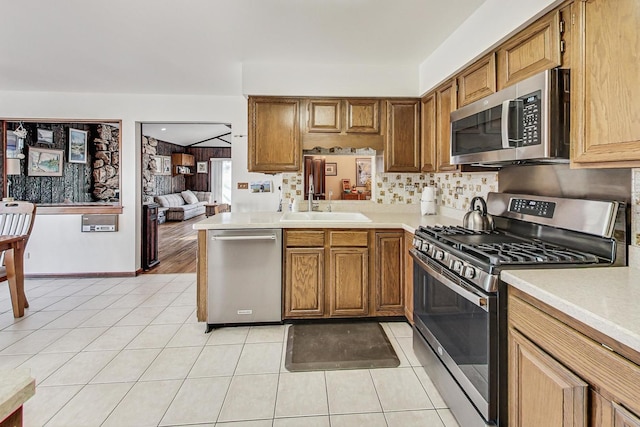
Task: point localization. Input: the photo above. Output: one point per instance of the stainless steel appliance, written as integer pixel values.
(244, 272)
(528, 121)
(459, 304)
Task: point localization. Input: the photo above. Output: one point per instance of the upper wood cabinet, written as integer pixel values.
(325, 115)
(363, 116)
(274, 135)
(605, 72)
(477, 81)
(428, 134)
(445, 104)
(535, 49)
(402, 145)
(182, 159)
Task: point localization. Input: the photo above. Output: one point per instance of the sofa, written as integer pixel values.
(184, 205)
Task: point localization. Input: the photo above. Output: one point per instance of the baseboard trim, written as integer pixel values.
(79, 275)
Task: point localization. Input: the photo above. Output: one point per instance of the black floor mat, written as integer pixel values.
(328, 346)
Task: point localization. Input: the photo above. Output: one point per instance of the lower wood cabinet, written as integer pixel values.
(408, 277)
(562, 373)
(304, 278)
(348, 282)
(343, 273)
(389, 268)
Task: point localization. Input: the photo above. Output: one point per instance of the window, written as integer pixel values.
(221, 180)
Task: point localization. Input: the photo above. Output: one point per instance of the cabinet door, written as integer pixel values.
(605, 129)
(402, 151)
(363, 116)
(325, 115)
(605, 413)
(535, 49)
(428, 134)
(542, 392)
(274, 135)
(389, 270)
(304, 282)
(408, 277)
(477, 81)
(348, 282)
(445, 104)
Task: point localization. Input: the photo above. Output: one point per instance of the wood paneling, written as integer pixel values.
(201, 181)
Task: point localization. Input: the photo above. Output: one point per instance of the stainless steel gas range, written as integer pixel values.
(460, 304)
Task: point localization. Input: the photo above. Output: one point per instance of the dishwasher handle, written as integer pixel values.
(248, 237)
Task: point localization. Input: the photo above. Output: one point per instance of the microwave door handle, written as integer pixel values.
(504, 123)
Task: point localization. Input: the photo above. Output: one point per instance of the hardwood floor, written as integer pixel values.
(177, 243)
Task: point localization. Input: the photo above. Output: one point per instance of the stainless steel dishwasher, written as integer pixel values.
(244, 272)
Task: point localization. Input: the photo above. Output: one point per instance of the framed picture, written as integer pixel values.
(12, 145)
(363, 172)
(166, 165)
(261, 187)
(45, 136)
(77, 146)
(202, 167)
(45, 162)
(331, 169)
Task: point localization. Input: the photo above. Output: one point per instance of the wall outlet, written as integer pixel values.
(243, 186)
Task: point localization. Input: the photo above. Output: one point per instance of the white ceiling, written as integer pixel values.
(199, 46)
(190, 134)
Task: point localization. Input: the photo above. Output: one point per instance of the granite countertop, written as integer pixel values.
(16, 387)
(407, 221)
(604, 298)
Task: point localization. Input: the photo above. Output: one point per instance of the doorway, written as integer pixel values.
(180, 157)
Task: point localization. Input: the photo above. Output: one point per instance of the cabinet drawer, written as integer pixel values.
(306, 238)
(611, 373)
(348, 238)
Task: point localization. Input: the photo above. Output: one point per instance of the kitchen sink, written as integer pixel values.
(324, 217)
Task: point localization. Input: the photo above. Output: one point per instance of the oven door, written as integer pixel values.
(459, 322)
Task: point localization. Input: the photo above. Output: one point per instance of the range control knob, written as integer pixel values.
(457, 266)
(417, 243)
(439, 255)
(426, 246)
(469, 272)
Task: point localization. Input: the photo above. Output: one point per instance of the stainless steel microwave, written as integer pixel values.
(528, 121)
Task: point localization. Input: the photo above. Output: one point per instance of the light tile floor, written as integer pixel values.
(129, 352)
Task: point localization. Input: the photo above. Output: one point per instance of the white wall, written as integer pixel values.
(57, 245)
(491, 23)
(329, 80)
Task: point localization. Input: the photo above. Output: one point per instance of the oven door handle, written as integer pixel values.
(466, 292)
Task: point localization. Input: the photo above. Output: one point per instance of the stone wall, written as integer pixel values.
(106, 164)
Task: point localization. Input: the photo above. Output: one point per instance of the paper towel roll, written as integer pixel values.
(428, 194)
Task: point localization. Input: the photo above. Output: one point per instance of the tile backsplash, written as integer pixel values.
(453, 190)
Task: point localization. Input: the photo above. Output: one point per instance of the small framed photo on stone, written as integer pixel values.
(202, 167)
(77, 146)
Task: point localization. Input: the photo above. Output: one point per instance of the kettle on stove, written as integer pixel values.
(477, 218)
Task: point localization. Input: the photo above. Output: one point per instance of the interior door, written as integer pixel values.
(314, 166)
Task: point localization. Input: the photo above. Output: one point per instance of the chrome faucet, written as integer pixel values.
(330, 196)
(310, 208)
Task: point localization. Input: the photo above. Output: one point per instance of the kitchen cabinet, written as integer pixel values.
(534, 49)
(605, 130)
(325, 115)
(408, 277)
(445, 104)
(563, 373)
(348, 273)
(389, 273)
(477, 81)
(402, 144)
(274, 135)
(182, 164)
(304, 273)
(428, 134)
(363, 116)
(150, 236)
